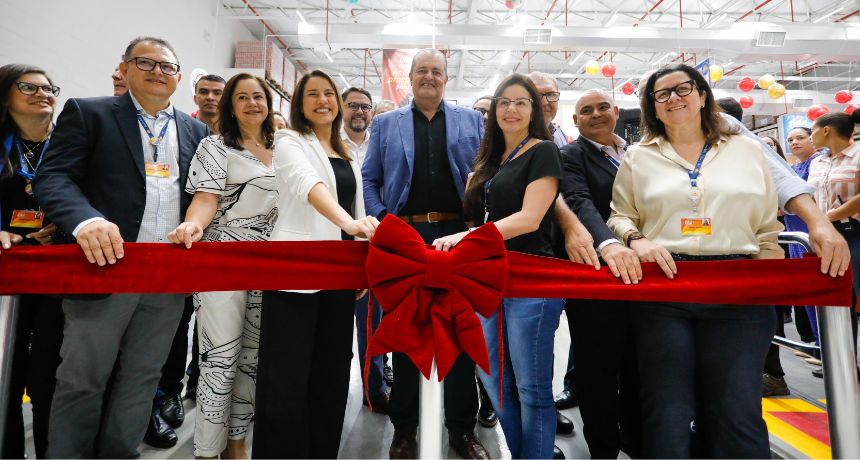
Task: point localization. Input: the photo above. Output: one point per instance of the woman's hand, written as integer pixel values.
(44, 236)
(362, 228)
(8, 239)
(446, 243)
(652, 252)
(186, 233)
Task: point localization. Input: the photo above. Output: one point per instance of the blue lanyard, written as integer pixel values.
(612, 160)
(154, 141)
(510, 157)
(694, 173)
(24, 165)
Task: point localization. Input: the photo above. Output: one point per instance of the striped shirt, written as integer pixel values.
(836, 178)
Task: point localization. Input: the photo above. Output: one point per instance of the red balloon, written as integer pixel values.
(815, 111)
(844, 96)
(628, 88)
(746, 84)
(746, 102)
(608, 70)
(851, 108)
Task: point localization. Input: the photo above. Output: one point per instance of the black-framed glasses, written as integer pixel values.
(551, 96)
(148, 65)
(356, 106)
(29, 89)
(681, 89)
(522, 103)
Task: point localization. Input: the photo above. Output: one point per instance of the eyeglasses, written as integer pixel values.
(522, 103)
(681, 89)
(29, 89)
(147, 65)
(551, 96)
(481, 109)
(356, 106)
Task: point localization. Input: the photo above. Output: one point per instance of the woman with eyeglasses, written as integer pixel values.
(514, 185)
(27, 102)
(680, 195)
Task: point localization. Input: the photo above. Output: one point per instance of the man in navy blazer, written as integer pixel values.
(606, 381)
(416, 168)
(115, 171)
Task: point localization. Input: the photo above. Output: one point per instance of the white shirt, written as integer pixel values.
(358, 150)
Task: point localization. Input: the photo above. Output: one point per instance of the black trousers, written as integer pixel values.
(36, 355)
(461, 393)
(174, 368)
(303, 373)
(772, 363)
(606, 377)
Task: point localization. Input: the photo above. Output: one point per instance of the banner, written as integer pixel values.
(395, 74)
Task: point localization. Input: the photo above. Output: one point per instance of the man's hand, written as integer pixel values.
(831, 247)
(8, 239)
(186, 233)
(580, 245)
(652, 252)
(623, 262)
(101, 242)
(44, 236)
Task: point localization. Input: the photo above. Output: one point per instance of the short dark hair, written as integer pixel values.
(353, 89)
(155, 40)
(713, 125)
(209, 77)
(731, 107)
(227, 124)
(299, 123)
(841, 122)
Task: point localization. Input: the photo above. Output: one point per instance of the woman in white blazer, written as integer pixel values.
(306, 336)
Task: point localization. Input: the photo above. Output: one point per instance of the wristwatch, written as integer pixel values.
(633, 236)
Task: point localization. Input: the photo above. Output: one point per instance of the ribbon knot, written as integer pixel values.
(439, 264)
(430, 298)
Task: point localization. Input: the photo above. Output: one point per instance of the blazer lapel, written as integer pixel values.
(322, 158)
(407, 136)
(452, 129)
(597, 157)
(126, 117)
(187, 147)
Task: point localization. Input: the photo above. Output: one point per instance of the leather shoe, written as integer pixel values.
(566, 399)
(379, 402)
(557, 454)
(466, 445)
(404, 444)
(818, 372)
(563, 425)
(486, 414)
(172, 411)
(159, 434)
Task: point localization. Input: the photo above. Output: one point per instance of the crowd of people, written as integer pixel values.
(657, 380)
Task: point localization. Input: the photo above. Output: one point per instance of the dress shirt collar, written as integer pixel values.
(345, 136)
(620, 143)
(168, 111)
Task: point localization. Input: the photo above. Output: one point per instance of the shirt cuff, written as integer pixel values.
(84, 223)
(607, 243)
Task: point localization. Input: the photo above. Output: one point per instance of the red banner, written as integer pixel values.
(395, 74)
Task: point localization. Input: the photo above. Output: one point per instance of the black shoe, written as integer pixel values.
(466, 445)
(159, 434)
(486, 414)
(557, 454)
(403, 444)
(379, 402)
(563, 425)
(566, 399)
(818, 372)
(172, 411)
(388, 374)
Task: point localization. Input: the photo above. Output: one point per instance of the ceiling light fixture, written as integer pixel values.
(343, 79)
(301, 17)
(611, 19)
(827, 15)
(573, 61)
(328, 56)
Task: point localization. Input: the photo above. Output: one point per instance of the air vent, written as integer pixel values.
(802, 103)
(537, 36)
(765, 38)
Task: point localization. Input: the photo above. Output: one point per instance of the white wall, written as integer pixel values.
(79, 42)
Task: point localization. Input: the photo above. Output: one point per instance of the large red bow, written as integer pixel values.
(430, 297)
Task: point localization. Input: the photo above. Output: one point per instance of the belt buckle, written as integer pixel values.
(431, 220)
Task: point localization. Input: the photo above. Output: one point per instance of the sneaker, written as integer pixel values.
(772, 386)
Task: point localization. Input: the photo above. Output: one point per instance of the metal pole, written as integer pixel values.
(8, 318)
(430, 418)
(840, 370)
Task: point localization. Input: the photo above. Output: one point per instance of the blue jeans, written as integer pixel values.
(527, 412)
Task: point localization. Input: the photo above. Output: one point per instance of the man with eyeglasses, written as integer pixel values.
(114, 172)
(358, 111)
(483, 105)
(547, 87)
(416, 168)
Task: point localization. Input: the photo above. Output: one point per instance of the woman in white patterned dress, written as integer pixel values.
(232, 180)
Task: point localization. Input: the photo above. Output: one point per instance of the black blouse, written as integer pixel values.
(346, 187)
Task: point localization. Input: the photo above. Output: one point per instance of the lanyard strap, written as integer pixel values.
(154, 141)
(612, 160)
(694, 173)
(508, 160)
(24, 164)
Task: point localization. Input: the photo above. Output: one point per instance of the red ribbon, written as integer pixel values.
(430, 297)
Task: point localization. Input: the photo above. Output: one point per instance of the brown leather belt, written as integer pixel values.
(432, 217)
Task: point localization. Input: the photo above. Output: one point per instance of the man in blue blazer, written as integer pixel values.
(416, 168)
(115, 171)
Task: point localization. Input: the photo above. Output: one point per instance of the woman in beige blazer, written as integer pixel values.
(306, 337)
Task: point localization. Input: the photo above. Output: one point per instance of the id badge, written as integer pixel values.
(154, 169)
(27, 219)
(696, 226)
